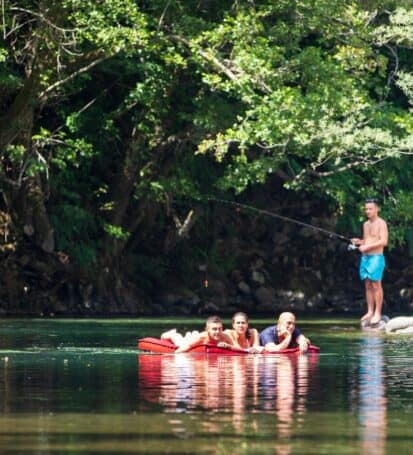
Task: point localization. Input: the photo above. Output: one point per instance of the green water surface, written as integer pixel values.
(81, 387)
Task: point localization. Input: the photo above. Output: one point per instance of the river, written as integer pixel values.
(79, 386)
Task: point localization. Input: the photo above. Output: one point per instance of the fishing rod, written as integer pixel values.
(330, 234)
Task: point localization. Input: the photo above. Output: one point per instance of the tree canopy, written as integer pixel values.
(113, 113)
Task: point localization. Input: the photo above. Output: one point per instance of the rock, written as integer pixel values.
(28, 229)
(60, 307)
(406, 293)
(244, 288)
(280, 238)
(315, 302)
(258, 277)
(180, 310)
(169, 298)
(208, 308)
(215, 287)
(265, 296)
(237, 276)
(157, 309)
(265, 308)
(408, 274)
(258, 264)
(48, 244)
(190, 298)
(400, 324)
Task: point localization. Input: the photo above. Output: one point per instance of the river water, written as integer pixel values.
(81, 387)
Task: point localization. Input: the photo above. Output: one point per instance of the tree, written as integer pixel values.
(46, 45)
(325, 111)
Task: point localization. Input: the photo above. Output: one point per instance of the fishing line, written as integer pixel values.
(286, 218)
(208, 227)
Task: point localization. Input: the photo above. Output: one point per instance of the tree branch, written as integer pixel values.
(218, 64)
(82, 70)
(43, 18)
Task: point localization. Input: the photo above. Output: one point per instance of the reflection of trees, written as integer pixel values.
(372, 397)
(51, 381)
(275, 384)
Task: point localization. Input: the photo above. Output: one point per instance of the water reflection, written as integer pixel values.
(285, 385)
(372, 396)
(237, 385)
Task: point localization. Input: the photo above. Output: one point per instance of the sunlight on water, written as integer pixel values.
(82, 387)
(334, 402)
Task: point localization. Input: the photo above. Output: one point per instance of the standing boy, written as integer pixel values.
(372, 262)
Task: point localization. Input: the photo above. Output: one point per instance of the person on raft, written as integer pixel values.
(284, 335)
(213, 334)
(242, 336)
(372, 262)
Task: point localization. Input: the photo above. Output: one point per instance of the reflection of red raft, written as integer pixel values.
(165, 346)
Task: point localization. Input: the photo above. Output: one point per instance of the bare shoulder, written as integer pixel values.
(203, 336)
(229, 333)
(227, 338)
(382, 222)
(254, 333)
(255, 337)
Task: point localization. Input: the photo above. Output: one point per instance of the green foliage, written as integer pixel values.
(76, 232)
(147, 271)
(138, 103)
(116, 232)
(3, 55)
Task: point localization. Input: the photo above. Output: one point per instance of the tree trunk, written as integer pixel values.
(26, 197)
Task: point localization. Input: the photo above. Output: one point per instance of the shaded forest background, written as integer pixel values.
(123, 123)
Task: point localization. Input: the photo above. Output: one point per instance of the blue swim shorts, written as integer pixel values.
(372, 267)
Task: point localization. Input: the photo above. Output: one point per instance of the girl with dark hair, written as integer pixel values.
(242, 336)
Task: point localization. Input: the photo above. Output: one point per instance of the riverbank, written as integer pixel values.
(237, 262)
(260, 288)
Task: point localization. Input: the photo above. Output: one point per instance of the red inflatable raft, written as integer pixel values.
(165, 347)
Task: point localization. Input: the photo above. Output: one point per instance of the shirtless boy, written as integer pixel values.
(372, 263)
(284, 335)
(213, 334)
